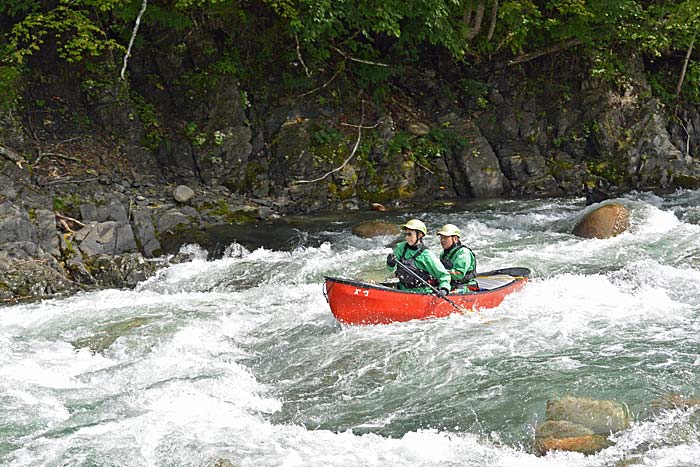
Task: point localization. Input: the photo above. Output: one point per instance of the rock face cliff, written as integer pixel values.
(515, 132)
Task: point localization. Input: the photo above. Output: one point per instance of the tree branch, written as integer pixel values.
(323, 85)
(133, 37)
(546, 51)
(352, 154)
(301, 60)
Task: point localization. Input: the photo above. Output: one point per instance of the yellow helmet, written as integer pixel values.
(415, 224)
(448, 230)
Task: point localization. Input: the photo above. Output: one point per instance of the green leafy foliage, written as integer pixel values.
(304, 42)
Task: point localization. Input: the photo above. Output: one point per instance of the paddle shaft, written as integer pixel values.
(407, 269)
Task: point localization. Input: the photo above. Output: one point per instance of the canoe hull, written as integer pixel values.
(356, 302)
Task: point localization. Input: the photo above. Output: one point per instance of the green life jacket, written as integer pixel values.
(446, 261)
(410, 280)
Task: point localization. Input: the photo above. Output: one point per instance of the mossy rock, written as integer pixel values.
(600, 416)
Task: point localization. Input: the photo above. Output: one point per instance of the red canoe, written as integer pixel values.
(355, 302)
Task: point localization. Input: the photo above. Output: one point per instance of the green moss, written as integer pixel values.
(71, 249)
(223, 210)
(610, 169)
(68, 204)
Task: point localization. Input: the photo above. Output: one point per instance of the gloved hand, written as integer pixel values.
(391, 260)
(442, 293)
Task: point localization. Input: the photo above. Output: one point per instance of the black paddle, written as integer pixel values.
(437, 292)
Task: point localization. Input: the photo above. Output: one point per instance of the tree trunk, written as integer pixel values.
(681, 78)
(475, 27)
(472, 23)
(494, 17)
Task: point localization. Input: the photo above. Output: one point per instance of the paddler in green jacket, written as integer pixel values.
(419, 260)
(458, 259)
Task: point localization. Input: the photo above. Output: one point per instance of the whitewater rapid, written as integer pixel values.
(239, 357)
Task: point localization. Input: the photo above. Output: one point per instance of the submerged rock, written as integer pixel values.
(673, 401)
(580, 425)
(101, 341)
(371, 229)
(607, 221)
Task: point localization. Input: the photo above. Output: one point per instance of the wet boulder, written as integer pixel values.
(607, 221)
(567, 436)
(370, 229)
(580, 425)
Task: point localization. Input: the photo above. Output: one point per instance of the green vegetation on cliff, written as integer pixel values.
(306, 40)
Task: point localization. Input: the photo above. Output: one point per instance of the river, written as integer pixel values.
(240, 358)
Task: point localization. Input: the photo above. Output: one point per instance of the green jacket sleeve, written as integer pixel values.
(430, 262)
(397, 252)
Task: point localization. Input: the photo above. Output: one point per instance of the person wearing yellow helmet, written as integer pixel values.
(420, 270)
(458, 259)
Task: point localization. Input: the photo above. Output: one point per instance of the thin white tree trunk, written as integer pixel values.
(133, 37)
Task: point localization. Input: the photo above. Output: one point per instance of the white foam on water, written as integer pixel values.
(187, 385)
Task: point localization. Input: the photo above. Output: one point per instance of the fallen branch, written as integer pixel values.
(11, 155)
(63, 218)
(361, 126)
(352, 154)
(133, 37)
(59, 155)
(55, 182)
(424, 167)
(359, 60)
(687, 140)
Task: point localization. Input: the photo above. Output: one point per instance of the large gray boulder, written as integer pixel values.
(111, 238)
(477, 161)
(145, 231)
(15, 225)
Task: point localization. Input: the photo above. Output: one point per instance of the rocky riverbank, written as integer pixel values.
(102, 233)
